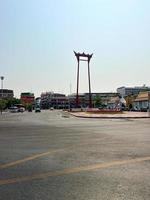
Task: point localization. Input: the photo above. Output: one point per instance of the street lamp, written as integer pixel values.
(2, 78)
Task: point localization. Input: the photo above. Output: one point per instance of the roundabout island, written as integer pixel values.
(109, 114)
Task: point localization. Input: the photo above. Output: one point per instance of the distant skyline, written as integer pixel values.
(37, 40)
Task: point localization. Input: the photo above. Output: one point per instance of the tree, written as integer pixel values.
(97, 101)
(3, 104)
(12, 102)
(29, 107)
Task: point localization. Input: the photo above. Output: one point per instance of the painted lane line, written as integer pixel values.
(29, 158)
(72, 170)
(17, 162)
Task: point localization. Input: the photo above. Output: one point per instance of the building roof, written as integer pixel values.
(27, 94)
(144, 87)
(6, 91)
(142, 96)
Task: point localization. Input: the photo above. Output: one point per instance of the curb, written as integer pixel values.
(102, 117)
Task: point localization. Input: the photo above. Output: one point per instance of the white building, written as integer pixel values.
(125, 91)
(5, 93)
(142, 101)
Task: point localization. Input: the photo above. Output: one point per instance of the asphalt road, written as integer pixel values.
(54, 156)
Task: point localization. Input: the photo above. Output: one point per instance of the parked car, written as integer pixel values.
(13, 109)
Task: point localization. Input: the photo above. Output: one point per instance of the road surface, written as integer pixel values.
(54, 156)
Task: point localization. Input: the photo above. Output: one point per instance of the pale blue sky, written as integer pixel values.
(37, 39)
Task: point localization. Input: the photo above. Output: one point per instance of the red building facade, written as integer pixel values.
(27, 98)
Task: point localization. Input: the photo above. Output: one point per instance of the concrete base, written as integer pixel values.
(112, 116)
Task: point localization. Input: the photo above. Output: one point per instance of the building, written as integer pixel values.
(55, 100)
(97, 99)
(27, 98)
(142, 101)
(6, 93)
(114, 102)
(126, 91)
(104, 97)
(72, 100)
(60, 101)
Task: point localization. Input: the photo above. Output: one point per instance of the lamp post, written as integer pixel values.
(2, 78)
(1, 106)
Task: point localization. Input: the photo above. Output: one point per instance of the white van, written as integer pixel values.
(14, 109)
